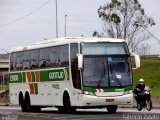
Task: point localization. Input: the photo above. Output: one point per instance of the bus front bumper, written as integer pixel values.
(88, 100)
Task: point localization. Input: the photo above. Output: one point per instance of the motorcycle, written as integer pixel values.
(144, 99)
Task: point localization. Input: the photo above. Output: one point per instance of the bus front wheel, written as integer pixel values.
(112, 108)
(67, 104)
(67, 108)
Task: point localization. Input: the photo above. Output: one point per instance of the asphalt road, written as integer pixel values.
(14, 113)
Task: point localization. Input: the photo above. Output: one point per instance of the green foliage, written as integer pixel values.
(150, 72)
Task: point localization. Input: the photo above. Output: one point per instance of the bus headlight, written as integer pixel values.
(88, 93)
(128, 92)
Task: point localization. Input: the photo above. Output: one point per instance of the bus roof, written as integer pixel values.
(62, 41)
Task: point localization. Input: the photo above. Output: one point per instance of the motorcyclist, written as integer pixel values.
(140, 88)
(143, 97)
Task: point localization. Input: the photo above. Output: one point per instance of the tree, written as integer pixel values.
(125, 19)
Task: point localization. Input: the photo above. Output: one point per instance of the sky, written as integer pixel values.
(24, 22)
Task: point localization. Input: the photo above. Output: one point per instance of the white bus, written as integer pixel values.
(71, 73)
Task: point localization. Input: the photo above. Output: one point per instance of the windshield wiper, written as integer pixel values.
(103, 74)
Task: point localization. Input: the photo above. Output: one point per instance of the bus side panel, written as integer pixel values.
(14, 89)
(49, 94)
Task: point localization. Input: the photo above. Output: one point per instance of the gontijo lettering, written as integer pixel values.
(54, 75)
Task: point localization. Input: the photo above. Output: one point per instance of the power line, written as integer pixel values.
(155, 44)
(152, 35)
(148, 31)
(28, 14)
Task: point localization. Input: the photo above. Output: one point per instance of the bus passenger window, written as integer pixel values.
(19, 61)
(34, 59)
(26, 60)
(44, 58)
(54, 57)
(43, 65)
(13, 62)
(64, 56)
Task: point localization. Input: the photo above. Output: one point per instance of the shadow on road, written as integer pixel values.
(79, 112)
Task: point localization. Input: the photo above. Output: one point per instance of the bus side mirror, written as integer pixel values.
(80, 61)
(137, 60)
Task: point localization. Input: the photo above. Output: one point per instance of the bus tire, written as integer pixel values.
(112, 108)
(20, 98)
(23, 106)
(67, 108)
(67, 104)
(26, 106)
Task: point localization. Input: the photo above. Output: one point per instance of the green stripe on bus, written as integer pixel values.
(128, 88)
(45, 75)
(108, 89)
(24, 77)
(52, 75)
(36, 88)
(89, 89)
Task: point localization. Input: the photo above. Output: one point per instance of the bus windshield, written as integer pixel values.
(102, 71)
(105, 48)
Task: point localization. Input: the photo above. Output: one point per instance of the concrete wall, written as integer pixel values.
(156, 101)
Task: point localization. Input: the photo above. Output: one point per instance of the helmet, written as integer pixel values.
(141, 81)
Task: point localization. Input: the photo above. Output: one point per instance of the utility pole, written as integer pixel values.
(56, 22)
(65, 29)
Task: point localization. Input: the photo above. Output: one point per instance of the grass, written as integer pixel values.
(150, 72)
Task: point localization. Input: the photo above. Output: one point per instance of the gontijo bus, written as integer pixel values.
(71, 73)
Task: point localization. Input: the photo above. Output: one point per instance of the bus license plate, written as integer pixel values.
(109, 100)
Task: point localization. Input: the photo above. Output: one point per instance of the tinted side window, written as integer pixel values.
(54, 57)
(64, 56)
(19, 60)
(13, 61)
(57, 56)
(44, 58)
(34, 59)
(26, 60)
(74, 66)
